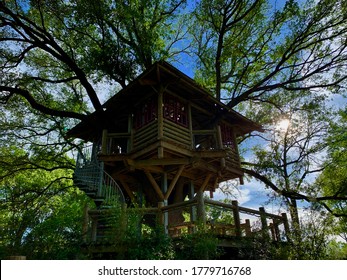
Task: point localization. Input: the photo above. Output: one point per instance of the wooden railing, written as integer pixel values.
(269, 225)
(115, 143)
(234, 225)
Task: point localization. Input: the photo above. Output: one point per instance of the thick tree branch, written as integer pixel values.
(296, 195)
(38, 106)
(41, 38)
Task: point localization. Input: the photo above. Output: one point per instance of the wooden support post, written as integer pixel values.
(201, 207)
(131, 132)
(123, 220)
(104, 142)
(160, 132)
(248, 229)
(165, 190)
(220, 144)
(272, 230)
(286, 225)
(237, 220)
(193, 207)
(264, 226)
(85, 223)
(160, 213)
(128, 190)
(173, 182)
(94, 229)
(276, 230)
(205, 183)
(101, 179)
(190, 123)
(155, 185)
(160, 113)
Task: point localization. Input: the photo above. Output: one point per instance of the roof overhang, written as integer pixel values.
(160, 74)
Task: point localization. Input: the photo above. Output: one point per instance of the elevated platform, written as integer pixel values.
(236, 228)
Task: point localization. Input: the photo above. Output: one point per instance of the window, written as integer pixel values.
(175, 110)
(146, 113)
(227, 136)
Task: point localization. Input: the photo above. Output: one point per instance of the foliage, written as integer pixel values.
(315, 232)
(219, 215)
(247, 49)
(59, 59)
(333, 179)
(40, 215)
(199, 245)
(154, 245)
(290, 151)
(336, 250)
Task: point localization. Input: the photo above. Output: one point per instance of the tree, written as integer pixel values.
(40, 211)
(291, 151)
(333, 179)
(55, 57)
(272, 62)
(53, 54)
(250, 50)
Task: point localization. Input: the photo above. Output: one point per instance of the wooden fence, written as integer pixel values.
(222, 219)
(269, 225)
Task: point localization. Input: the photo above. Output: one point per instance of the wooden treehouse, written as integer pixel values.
(160, 144)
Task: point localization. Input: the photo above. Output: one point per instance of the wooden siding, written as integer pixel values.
(177, 133)
(146, 135)
(232, 159)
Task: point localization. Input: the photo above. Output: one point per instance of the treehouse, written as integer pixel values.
(161, 141)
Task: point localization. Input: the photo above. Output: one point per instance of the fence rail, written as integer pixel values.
(222, 219)
(225, 219)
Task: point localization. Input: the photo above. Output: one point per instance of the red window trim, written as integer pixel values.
(227, 135)
(146, 113)
(175, 110)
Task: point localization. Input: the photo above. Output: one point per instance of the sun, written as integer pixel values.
(283, 124)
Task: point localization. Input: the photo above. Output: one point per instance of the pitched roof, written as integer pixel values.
(161, 73)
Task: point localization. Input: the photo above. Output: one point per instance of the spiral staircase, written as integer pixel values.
(91, 178)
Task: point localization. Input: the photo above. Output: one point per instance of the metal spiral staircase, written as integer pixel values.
(91, 178)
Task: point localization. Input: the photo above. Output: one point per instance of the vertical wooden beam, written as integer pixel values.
(219, 137)
(123, 220)
(190, 124)
(272, 230)
(94, 229)
(165, 202)
(237, 220)
(276, 230)
(201, 207)
(164, 183)
(264, 226)
(101, 179)
(173, 182)
(85, 223)
(161, 213)
(104, 142)
(131, 132)
(155, 185)
(248, 228)
(193, 207)
(160, 120)
(286, 225)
